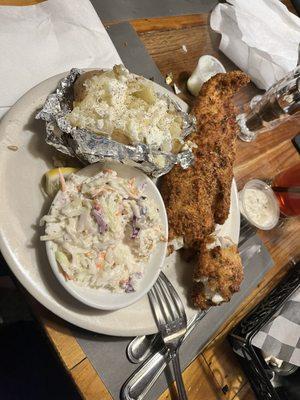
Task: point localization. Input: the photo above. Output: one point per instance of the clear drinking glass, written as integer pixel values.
(266, 112)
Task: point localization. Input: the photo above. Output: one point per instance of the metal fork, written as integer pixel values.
(141, 347)
(171, 319)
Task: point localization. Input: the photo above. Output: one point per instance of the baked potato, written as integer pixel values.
(125, 108)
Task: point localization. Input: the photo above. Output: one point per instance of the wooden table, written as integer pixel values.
(215, 374)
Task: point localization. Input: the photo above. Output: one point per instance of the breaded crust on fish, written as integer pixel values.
(199, 197)
(219, 270)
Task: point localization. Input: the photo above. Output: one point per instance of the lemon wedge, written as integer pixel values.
(52, 178)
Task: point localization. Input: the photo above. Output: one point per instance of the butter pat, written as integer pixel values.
(207, 67)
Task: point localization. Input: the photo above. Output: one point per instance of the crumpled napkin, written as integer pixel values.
(260, 36)
(43, 40)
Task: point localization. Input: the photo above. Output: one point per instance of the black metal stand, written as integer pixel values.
(254, 365)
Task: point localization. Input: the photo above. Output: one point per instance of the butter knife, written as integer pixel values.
(142, 380)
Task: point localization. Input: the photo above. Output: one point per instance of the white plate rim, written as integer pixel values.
(16, 267)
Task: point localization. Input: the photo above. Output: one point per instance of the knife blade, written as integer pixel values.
(142, 380)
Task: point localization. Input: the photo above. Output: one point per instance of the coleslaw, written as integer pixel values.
(103, 230)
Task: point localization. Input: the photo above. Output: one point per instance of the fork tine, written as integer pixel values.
(156, 308)
(163, 302)
(174, 295)
(168, 301)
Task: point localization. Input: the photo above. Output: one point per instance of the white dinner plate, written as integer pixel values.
(23, 204)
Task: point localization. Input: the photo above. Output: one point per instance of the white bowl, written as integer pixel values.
(101, 298)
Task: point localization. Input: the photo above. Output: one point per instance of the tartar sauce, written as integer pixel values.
(258, 207)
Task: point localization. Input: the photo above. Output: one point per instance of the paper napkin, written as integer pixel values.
(260, 36)
(43, 40)
(280, 338)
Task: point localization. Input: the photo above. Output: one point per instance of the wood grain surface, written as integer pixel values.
(88, 382)
(215, 374)
(20, 2)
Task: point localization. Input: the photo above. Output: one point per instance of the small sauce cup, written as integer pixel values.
(259, 205)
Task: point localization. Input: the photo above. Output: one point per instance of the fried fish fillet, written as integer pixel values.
(217, 276)
(199, 197)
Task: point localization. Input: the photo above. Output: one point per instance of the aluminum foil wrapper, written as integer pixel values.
(89, 147)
